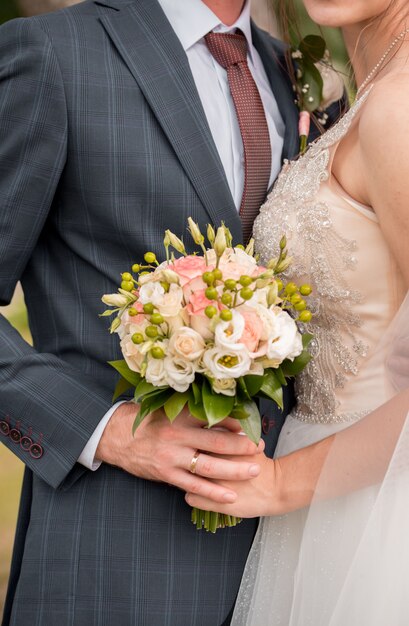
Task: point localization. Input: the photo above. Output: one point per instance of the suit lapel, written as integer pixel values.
(274, 65)
(150, 48)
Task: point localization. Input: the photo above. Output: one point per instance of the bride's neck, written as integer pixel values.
(366, 43)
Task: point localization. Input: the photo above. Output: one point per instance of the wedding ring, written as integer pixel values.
(193, 462)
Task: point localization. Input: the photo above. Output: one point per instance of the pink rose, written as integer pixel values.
(188, 268)
(253, 331)
(196, 309)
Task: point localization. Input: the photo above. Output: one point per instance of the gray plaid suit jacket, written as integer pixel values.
(103, 145)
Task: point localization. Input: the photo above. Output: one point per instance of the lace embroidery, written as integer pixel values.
(324, 258)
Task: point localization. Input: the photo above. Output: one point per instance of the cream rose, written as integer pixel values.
(225, 386)
(132, 354)
(187, 343)
(156, 373)
(170, 304)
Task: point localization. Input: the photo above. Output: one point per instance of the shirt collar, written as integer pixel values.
(192, 20)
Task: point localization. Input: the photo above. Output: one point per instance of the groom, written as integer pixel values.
(118, 121)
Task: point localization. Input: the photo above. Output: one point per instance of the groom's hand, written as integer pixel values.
(162, 451)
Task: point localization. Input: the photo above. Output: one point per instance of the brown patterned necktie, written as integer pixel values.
(230, 51)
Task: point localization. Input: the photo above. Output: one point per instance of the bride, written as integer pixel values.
(333, 547)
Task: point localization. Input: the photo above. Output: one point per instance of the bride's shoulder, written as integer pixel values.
(384, 123)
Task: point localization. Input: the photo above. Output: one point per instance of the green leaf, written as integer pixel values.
(196, 409)
(174, 405)
(242, 387)
(217, 406)
(313, 78)
(121, 386)
(197, 393)
(280, 375)
(151, 402)
(272, 387)
(313, 48)
(253, 384)
(293, 368)
(306, 339)
(143, 388)
(121, 366)
(252, 424)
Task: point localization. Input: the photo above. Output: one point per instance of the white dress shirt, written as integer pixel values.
(192, 20)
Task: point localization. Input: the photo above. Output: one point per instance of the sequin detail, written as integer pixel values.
(323, 257)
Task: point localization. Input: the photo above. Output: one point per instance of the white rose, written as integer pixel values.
(333, 88)
(187, 343)
(170, 304)
(151, 292)
(180, 373)
(132, 354)
(227, 334)
(222, 363)
(156, 373)
(225, 386)
(286, 342)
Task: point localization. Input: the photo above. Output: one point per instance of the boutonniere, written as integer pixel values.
(317, 83)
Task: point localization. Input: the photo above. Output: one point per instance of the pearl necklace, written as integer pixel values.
(381, 61)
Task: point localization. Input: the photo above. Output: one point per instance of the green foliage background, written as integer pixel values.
(8, 10)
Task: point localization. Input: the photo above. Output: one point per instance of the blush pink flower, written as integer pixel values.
(188, 268)
(196, 309)
(253, 330)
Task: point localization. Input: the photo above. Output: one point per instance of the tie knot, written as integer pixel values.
(227, 49)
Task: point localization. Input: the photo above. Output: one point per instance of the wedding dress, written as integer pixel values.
(344, 561)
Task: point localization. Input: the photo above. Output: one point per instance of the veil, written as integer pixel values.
(349, 562)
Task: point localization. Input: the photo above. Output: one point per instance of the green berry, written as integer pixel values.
(157, 318)
(137, 338)
(148, 308)
(150, 257)
(305, 290)
(296, 298)
(305, 316)
(151, 332)
(246, 293)
(157, 352)
(245, 281)
(227, 299)
(230, 284)
(136, 268)
(145, 273)
(127, 285)
(300, 306)
(208, 278)
(210, 311)
(226, 315)
(127, 276)
(218, 275)
(132, 312)
(291, 288)
(211, 293)
(240, 246)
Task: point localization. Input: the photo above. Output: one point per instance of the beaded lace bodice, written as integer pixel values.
(321, 230)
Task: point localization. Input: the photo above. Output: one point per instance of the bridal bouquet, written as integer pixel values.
(209, 332)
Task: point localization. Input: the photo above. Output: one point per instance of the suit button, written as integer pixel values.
(15, 435)
(26, 443)
(36, 451)
(267, 424)
(4, 428)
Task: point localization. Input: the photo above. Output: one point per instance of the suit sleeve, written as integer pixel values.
(41, 396)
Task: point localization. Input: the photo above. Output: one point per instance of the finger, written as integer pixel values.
(200, 502)
(221, 442)
(210, 492)
(221, 469)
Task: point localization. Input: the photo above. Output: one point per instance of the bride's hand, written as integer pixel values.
(258, 497)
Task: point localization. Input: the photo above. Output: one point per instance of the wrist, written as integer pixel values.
(117, 433)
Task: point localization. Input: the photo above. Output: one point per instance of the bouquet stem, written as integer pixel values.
(211, 521)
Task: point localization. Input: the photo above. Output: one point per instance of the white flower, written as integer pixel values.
(151, 292)
(180, 373)
(333, 87)
(132, 354)
(170, 304)
(222, 363)
(115, 299)
(286, 343)
(187, 343)
(156, 373)
(225, 386)
(227, 334)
